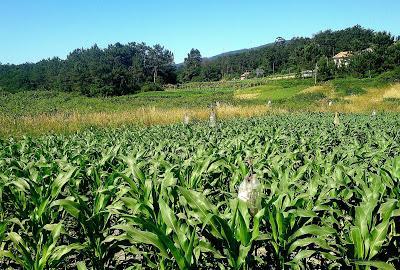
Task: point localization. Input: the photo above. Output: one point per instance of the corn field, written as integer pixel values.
(167, 197)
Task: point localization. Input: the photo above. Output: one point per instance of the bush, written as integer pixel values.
(151, 87)
(309, 97)
(352, 86)
(354, 90)
(395, 101)
(390, 76)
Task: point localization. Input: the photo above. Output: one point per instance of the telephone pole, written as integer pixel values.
(315, 73)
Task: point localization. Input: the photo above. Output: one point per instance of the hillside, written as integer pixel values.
(303, 53)
(235, 52)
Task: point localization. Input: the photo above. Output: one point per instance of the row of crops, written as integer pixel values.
(167, 197)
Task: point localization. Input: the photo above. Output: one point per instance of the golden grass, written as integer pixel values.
(372, 100)
(392, 92)
(315, 89)
(66, 123)
(247, 96)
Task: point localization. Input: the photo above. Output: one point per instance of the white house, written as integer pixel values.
(342, 59)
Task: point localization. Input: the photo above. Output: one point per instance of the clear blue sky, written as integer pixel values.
(31, 30)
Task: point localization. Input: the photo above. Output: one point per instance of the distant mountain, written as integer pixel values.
(211, 58)
(237, 52)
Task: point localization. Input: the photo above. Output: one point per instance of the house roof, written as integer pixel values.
(345, 54)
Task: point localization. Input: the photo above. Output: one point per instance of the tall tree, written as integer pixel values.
(192, 65)
(159, 60)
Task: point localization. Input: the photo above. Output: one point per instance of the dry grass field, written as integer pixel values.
(147, 116)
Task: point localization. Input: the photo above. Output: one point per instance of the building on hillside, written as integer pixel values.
(342, 59)
(307, 73)
(244, 75)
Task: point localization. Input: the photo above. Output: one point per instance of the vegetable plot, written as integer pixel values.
(277, 192)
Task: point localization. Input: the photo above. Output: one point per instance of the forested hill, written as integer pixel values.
(224, 54)
(116, 70)
(301, 53)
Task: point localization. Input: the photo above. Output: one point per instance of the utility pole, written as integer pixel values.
(369, 70)
(315, 73)
(155, 74)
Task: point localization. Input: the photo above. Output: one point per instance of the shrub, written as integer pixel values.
(351, 86)
(392, 100)
(390, 76)
(353, 90)
(309, 97)
(151, 87)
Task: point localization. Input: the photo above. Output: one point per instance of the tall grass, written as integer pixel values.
(146, 116)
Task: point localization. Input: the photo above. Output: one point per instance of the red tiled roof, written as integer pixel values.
(346, 54)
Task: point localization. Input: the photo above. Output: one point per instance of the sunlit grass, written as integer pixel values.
(392, 92)
(274, 90)
(70, 122)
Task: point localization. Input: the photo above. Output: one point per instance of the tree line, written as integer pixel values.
(116, 70)
(125, 69)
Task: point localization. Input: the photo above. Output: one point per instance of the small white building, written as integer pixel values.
(307, 73)
(342, 59)
(244, 75)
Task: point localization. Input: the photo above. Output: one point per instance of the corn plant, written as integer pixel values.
(166, 197)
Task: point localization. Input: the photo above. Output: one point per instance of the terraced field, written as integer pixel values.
(316, 196)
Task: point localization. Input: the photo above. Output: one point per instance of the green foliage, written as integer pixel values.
(308, 97)
(392, 100)
(210, 72)
(303, 53)
(390, 76)
(277, 90)
(351, 86)
(326, 69)
(192, 66)
(113, 71)
(366, 64)
(151, 87)
(124, 69)
(166, 197)
(49, 102)
(191, 95)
